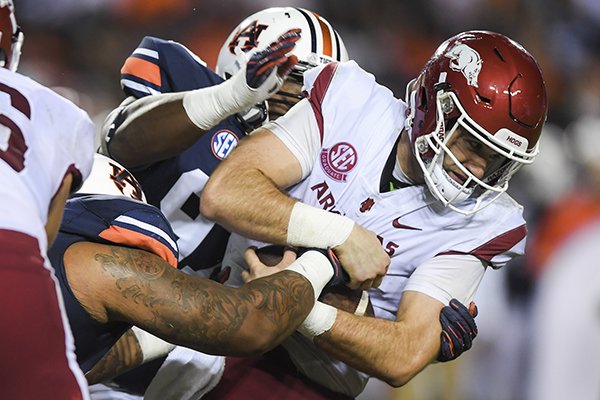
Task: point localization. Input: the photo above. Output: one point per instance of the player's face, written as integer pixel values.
(289, 94)
(478, 158)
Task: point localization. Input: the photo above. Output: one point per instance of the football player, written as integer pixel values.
(181, 119)
(429, 175)
(116, 260)
(46, 147)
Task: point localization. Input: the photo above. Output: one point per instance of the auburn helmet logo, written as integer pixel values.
(125, 182)
(247, 38)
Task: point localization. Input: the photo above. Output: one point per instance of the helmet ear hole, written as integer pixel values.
(423, 104)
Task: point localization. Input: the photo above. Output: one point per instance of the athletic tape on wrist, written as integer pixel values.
(151, 346)
(208, 106)
(320, 320)
(314, 227)
(315, 267)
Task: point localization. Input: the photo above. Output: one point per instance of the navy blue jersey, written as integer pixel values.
(107, 220)
(159, 66)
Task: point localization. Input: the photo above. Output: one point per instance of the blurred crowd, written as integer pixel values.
(78, 46)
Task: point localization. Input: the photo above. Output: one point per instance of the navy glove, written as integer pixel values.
(261, 64)
(458, 329)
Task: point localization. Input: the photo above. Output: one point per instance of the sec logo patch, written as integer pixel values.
(223, 142)
(339, 160)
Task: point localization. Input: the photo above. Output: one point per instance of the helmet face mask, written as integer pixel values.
(11, 36)
(319, 44)
(489, 91)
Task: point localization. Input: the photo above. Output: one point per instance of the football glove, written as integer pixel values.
(261, 64)
(458, 329)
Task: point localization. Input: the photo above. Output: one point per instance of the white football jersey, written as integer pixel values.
(42, 136)
(359, 123)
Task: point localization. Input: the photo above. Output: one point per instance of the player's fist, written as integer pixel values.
(458, 329)
(363, 258)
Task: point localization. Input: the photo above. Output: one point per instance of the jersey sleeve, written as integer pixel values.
(447, 277)
(161, 66)
(121, 221)
(146, 229)
(499, 242)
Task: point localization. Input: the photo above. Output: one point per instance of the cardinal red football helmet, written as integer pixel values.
(486, 85)
(11, 37)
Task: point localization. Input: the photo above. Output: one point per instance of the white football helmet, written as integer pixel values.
(110, 177)
(319, 44)
(11, 36)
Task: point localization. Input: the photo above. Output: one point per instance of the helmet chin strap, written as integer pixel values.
(410, 98)
(447, 189)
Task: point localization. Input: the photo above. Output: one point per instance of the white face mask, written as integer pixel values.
(470, 193)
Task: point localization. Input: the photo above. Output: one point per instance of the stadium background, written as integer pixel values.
(78, 46)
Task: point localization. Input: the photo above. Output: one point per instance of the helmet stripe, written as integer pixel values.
(313, 34)
(337, 46)
(327, 48)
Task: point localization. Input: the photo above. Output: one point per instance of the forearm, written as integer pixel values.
(249, 203)
(123, 356)
(249, 320)
(389, 350)
(150, 129)
(186, 310)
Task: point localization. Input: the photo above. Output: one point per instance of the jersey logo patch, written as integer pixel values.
(339, 160)
(223, 142)
(366, 205)
(396, 224)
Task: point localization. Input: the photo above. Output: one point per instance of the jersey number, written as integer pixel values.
(12, 141)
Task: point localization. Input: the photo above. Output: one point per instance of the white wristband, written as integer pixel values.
(320, 320)
(314, 227)
(208, 106)
(315, 267)
(152, 347)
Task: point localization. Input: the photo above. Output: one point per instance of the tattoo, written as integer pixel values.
(123, 356)
(201, 313)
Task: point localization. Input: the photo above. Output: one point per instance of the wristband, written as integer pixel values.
(152, 347)
(320, 320)
(315, 267)
(314, 227)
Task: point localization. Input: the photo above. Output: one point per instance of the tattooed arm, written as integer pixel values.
(140, 288)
